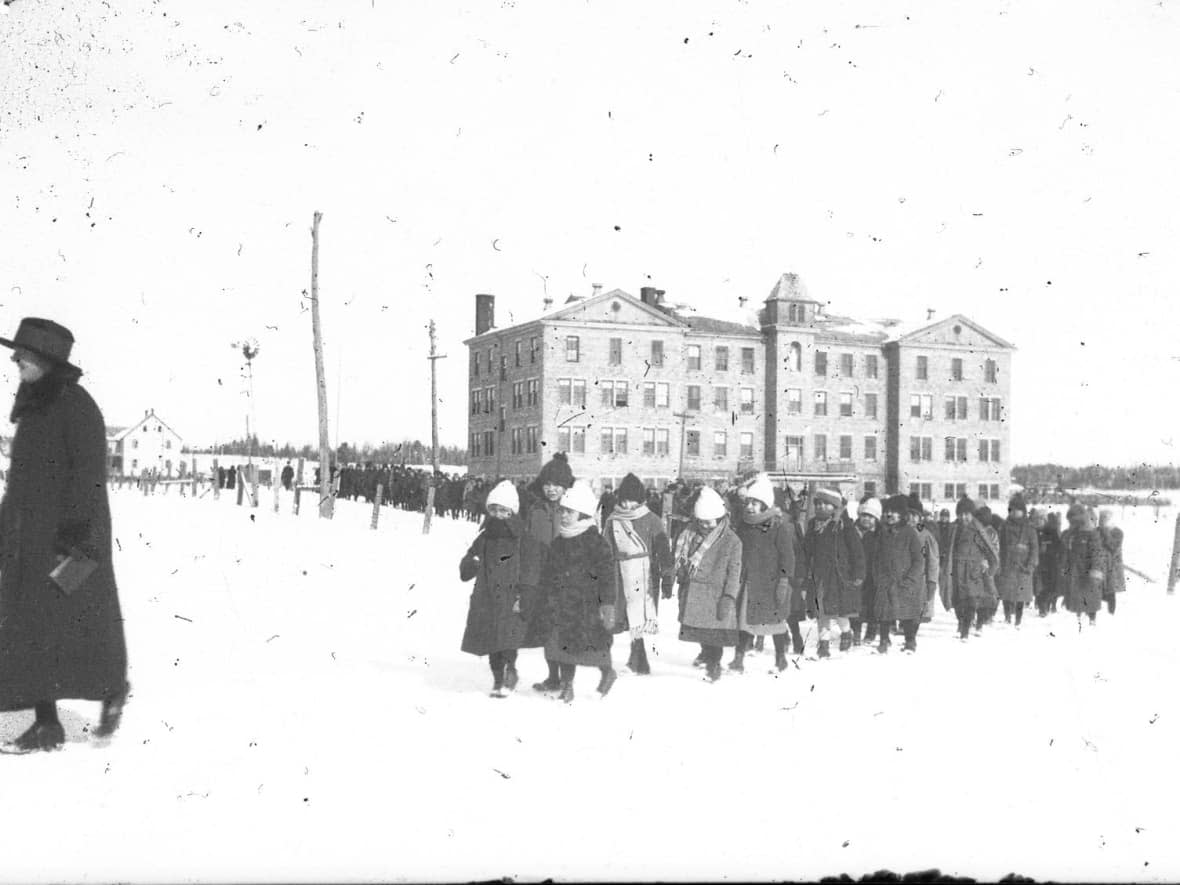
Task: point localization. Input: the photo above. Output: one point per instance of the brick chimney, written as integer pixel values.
(597, 287)
(929, 314)
(548, 303)
(485, 313)
(647, 294)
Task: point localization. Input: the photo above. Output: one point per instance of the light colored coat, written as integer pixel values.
(719, 574)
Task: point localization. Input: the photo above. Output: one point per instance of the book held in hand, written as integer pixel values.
(72, 572)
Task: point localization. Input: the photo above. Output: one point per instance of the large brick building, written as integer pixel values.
(633, 385)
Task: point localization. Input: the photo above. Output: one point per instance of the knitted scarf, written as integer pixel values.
(619, 513)
(761, 518)
(577, 528)
(692, 546)
(633, 560)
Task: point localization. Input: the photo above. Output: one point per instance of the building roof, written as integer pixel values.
(710, 326)
(117, 433)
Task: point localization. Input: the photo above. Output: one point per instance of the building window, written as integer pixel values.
(721, 359)
(922, 406)
(845, 448)
(870, 448)
(995, 491)
(845, 365)
(794, 451)
(692, 442)
(649, 394)
(621, 440)
(821, 447)
(616, 351)
(989, 408)
(983, 492)
(747, 361)
(563, 440)
(694, 397)
(721, 398)
(989, 450)
(134, 443)
(531, 436)
(572, 349)
(961, 490)
(649, 440)
(961, 408)
(923, 371)
(923, 490)
(474, 403)
(662, 442)
(489, 361)
(663, 395)
(579, 440)
(795, 357)
(606, 397)
(846, 405)
(870, 405)
(474, 447)
(564, 395)
(794, 401)
(989, 371)
(501, 419)
(519, 346)
(579, 392)
(821, 403)
(719, 444)
(821, 362)
(534, 389)
(491, 400)
(949, 408)
(694, 357)
(746, 444)
(948, 491)
(956, 369)
(474, 364)
(608, 440)
(871, 366)
(489, 442)
(949, 450)
(657, 354)
(532, 351)
(620, 394)
(961, 449)
(871, 488)
(747, 400)
(921, 448)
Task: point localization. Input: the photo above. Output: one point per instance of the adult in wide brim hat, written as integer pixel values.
(60, 638)
(45, 338)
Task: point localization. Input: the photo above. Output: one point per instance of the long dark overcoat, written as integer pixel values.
(54, 646)
(768, 560)
(1116, 578)
(1048, 569)
(1020, 552)
(836, 567)
(541, 525)
(868, 590)
(578, 577)
(1082, 554)
(495, 560)
(970, 560)
(899, 574)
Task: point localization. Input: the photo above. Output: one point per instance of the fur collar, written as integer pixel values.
(36, 397)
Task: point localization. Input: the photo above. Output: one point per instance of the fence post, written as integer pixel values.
(376, 506)
(241, 484)
(1174, 572)
(298, 492)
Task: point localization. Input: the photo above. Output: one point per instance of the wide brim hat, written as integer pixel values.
(45, 338)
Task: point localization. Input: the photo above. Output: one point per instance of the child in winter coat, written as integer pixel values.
(768, 567)
(578, 585)
(969, 563)
(836, 570)
(542, 523)
(497, 559)
(708, 564)
(1020, 553)
(899, 575)
(1083, 560)
(642, 559)
(1112, 541)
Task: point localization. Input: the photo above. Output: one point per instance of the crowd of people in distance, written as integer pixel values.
(560, 568)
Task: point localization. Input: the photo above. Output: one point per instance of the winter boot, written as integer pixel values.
(821, 649)
(886, 642)
(511, 677)
(608, 679)
(870, 633)
(642, 667)
(567, 692)
(699, 660)
(845, 641)
(911, 646)
(550, 684)
(712, 671)
(759, 643)
(112, 713)
(40, 736)
(498, 685)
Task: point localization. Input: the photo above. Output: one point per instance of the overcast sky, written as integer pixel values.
(1012, 161)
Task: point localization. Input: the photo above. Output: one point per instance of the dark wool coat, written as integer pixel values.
(899, 574)
(836, 568)
(540, 525)
(768, 559)
(495, 561)
(54, 646)
(1112, 542)
(719, 574)
(868, 590)
(1020, 553)
(1081, 555)
(970, 559)
(651, 529)
(578, 577)
(799, 581)
(1048, 567)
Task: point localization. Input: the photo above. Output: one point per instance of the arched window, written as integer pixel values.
(794, 357)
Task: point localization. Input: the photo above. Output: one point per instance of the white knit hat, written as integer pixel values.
(580, 497)
(761, 490)
(709, 505)
(831, 496)
(872, 507)
(505, 495)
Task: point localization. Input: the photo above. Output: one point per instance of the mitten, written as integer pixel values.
(725, 608)
(782, 591)
(1097, 576)
(607, 613)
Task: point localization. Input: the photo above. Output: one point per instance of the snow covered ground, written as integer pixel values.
(301, 712)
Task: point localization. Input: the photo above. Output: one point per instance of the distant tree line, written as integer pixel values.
(408, 451)
(1097, 476)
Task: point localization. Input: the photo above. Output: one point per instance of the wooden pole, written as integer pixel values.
(376, 506)
(683, 416)
(327, 500)
(434, 358)
(1174, 572)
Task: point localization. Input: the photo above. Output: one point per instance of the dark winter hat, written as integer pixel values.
(1017, 503)
(1076, 511)
(983, 513)
(915, 504)
(897, 504)
(44, 338)
(965, 505)
(557, 472)
(631, 489)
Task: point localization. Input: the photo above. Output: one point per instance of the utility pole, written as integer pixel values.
(683, 416)
(327, 503)
(434, 358)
